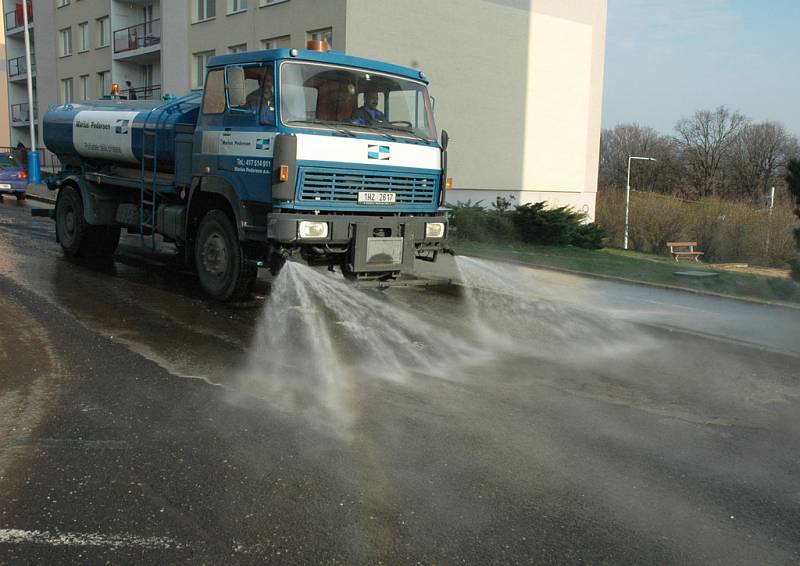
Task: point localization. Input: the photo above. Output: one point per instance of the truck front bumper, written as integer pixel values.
(368, 243)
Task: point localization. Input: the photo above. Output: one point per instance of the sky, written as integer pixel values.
(666, 59)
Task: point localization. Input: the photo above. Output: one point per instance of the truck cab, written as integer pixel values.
(310, 154)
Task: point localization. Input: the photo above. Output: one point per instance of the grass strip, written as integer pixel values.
(641, 267)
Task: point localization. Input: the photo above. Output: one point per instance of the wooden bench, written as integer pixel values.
(684, 249)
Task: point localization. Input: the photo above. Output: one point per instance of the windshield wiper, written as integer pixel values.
(373, 127)
(406, 131)
(330, 123)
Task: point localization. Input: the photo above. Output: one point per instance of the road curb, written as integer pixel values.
(40, 192)
(639, 282)
(41, 198)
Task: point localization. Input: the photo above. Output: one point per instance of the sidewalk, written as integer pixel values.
(41, 193)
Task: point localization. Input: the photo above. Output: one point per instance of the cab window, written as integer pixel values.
(214, 96)
(250, 90)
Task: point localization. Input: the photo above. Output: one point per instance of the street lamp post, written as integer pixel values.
(628, 195)
(34, 175)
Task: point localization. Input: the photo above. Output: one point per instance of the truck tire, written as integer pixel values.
(73, 232)
(222, 266)
(21, 196)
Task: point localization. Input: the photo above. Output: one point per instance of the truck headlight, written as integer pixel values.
(312, 230)
(434, 230)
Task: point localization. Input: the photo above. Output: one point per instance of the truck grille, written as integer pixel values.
(343, 186)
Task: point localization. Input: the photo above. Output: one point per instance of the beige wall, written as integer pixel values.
(474, 54)
(175, 70)
(518, 85)
(564, 106)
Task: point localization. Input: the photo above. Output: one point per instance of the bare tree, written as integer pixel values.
(624, 140)
(705, 141)
(793, 185)
(758, 159)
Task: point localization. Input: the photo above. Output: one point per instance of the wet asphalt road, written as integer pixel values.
(597, 423)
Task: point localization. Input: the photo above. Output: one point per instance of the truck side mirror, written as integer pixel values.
(445, 139)
(237, 96)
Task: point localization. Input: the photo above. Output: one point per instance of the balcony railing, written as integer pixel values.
(21, 113)
(152, 92)
(18, 66)
(15, 19)
(138, 36)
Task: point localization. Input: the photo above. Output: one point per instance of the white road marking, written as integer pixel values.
(17, 536)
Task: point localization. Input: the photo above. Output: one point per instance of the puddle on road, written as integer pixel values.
(140, 298)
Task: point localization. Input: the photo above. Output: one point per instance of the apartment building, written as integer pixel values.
(15, 67)
(5, 130)
(518, 83)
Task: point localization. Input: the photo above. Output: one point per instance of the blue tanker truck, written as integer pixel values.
(287, 152)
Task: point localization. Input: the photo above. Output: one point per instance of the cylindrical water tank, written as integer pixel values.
(111, 131)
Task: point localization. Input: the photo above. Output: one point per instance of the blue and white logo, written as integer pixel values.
(380, 152)
(262, 143)
(122, 126)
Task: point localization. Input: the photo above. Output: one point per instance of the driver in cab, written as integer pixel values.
(369, 113)
(260, 100)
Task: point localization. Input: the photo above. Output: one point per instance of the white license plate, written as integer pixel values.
(372, 197)
(5, 186)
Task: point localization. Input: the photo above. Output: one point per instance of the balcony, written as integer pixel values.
(20, 114)
(152, 92)
(15, 21)
(138, 41)
(18, 68)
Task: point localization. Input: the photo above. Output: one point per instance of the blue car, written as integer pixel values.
(13, 177)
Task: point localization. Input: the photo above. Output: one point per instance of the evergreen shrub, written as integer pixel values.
(528, 223)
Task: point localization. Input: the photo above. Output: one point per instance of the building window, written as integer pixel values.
(282, 42)
(199, 71)
(62, 3)
(64, 42)
(66, 91)
(235, 6)
(103, 32)
(146, 75)
(325, 35)
(238, 48)
(204, 10)
(83, 37)
(104, 83)
(271, 2)
(83, 81)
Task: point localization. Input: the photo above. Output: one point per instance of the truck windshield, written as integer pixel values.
(355, 100)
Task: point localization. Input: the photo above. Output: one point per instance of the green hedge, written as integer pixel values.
(528, 223)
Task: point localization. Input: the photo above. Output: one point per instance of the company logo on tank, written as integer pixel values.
(104, 134)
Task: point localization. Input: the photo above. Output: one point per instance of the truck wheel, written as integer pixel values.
(73, 232)
(21, 196)
(222, 266)
(105, 240)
